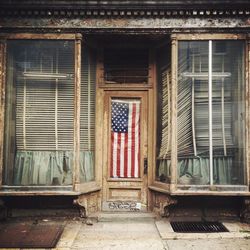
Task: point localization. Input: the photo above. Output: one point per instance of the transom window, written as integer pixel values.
(126, 65)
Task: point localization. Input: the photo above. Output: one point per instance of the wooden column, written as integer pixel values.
(174, 65)
(247, 124)
(2, 103)
(76, 169)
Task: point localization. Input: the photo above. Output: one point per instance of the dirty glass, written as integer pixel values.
(126, 66)
(39, 121)
(211, 153)
(163, 149)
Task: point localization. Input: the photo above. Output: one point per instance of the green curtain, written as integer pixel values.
(43, 168)
(196, 171)
(51, 168)
(86, 166)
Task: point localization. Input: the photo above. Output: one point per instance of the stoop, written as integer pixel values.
(126, 216)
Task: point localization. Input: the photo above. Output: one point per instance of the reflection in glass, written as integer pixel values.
(226, 111)
(39, 120)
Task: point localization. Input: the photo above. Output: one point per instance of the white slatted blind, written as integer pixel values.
(166, 116)
(88, 80)
(44, 105)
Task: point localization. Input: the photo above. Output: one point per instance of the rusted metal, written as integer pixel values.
(198, 227)
(22, 235)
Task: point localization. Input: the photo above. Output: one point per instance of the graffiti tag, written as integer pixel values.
(124, 205)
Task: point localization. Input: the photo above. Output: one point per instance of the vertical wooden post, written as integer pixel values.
(2, 103)
(76, 169)
(174, 69)
(247, 123)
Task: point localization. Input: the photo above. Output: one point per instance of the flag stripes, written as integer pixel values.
(125, 139)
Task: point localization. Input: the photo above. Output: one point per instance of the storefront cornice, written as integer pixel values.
(76, 9)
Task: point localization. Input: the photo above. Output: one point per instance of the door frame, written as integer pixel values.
(125, 194)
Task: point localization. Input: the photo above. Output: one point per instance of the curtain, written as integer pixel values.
(43, 168)
(51, 168)
(86, 166)
(196, 171)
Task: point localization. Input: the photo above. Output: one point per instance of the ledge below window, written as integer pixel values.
(221, 191)
(47, 191)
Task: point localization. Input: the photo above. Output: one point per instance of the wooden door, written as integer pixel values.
(125, 151)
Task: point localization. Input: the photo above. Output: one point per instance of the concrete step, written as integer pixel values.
(125, 216)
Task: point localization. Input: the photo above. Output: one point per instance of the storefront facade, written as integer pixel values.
(125, 106)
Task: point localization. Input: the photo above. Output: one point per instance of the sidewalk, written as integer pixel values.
(149, 234)
(120, 233)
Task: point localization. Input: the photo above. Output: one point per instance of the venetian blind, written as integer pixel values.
(87, 117)
(44, 95)
(165, 118)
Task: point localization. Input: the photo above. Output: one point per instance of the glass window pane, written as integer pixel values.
(192, 116)
(39, 120)
(228, 112)
(126, 65)
(163, 150)
(87, 116)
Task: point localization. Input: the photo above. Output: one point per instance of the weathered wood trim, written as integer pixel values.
(174, 81)
(151, 71)
(99, 68)
(124, 180)
(126, 87)
(152, 114)
(158, 189)
(209, 193)
(77, 99)
(88, 187)
(152, 124)
(38, 193)
(2, 103)
(134, 86)
(31, 36)
(247, 122)
(99, 136)
(207, 36)
(161, 185)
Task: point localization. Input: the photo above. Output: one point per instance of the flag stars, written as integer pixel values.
(119, 117)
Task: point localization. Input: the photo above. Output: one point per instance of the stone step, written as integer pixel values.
(125, 216)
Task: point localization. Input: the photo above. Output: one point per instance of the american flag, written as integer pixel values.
(125, 139)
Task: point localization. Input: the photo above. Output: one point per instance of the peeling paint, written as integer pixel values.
(125, 23)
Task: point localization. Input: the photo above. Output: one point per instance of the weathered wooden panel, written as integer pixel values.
(39, 36)
(2, 103)
(164, 25)
(76, 172)
(124, 194)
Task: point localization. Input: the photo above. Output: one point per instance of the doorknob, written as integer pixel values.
(145, 165)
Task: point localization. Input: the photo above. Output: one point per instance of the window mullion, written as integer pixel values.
(24, 103)
(89, 100)
(210, 108)
(56, 102)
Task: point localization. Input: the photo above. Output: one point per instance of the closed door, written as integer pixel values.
(125, 151)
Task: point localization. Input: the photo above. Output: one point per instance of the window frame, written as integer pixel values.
(101, 72)
(77, 187)
(173, 186)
